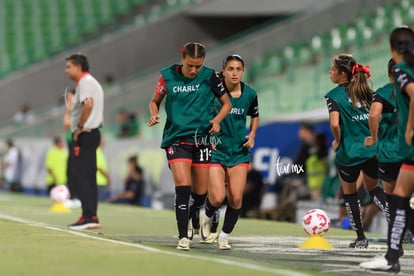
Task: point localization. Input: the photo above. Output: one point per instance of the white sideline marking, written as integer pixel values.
(151, 249)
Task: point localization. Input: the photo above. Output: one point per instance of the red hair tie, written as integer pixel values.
(182, 49)
(360, 68)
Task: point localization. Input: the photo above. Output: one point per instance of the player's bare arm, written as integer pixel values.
(335, 128)
(254, 124)
(373, 122)
(154, 107)
(225, 109)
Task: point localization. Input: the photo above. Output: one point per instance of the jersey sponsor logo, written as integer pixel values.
(360, 117)
(237, 111)
(185, 88)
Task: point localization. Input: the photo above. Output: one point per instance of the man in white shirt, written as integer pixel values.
(86, 119)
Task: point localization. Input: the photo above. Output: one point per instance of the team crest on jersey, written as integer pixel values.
(170, 150)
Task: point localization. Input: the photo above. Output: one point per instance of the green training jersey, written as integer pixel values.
(388, 150)
(229, 141)
(189, 104)
(403, 75)
(354, 128)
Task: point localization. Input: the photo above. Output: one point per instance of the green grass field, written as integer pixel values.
(137, 241)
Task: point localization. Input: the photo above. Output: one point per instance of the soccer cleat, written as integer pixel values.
(205, 228)
(381, 264)
(210, 239)
(190, 230)
(359, 244)
(85, 223)
(183, 244)
(223, 243)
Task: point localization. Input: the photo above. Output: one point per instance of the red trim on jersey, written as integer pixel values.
(81, 76)
(407, 167)
(161, 87)
(199, 165)
(180, 160)
(187, 143)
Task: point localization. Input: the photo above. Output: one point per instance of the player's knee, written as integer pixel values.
(235, 202)
(215, 200)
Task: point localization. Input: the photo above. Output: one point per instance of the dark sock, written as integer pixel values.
(397, 228)
(378, 197)
(353, 208)
(198, 202)
(210, 209)
(230, 219)
(216, 220)
(387, 210)
(182, 198)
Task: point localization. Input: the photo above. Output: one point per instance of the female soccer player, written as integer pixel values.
(384, 134)
(231, 156)
(402, 51)
(190, 89)
(348, 106)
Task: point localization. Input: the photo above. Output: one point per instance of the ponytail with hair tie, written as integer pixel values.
(360, 68)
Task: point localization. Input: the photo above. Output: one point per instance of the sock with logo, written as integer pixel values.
(216, 220)
(387, 210)
(397, 227)
(182, 198)
(379, 198)
(353, 208)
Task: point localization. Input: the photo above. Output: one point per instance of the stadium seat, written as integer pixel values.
(39, 28)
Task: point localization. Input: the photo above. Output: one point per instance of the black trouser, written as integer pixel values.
(82, 171)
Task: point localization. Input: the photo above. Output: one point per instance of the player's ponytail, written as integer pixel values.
(360, 89)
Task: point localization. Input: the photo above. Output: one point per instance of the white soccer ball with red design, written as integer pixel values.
(316, 222)
(59, 193)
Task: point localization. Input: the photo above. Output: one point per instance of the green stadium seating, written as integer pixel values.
(301, 70)
(32, 30)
